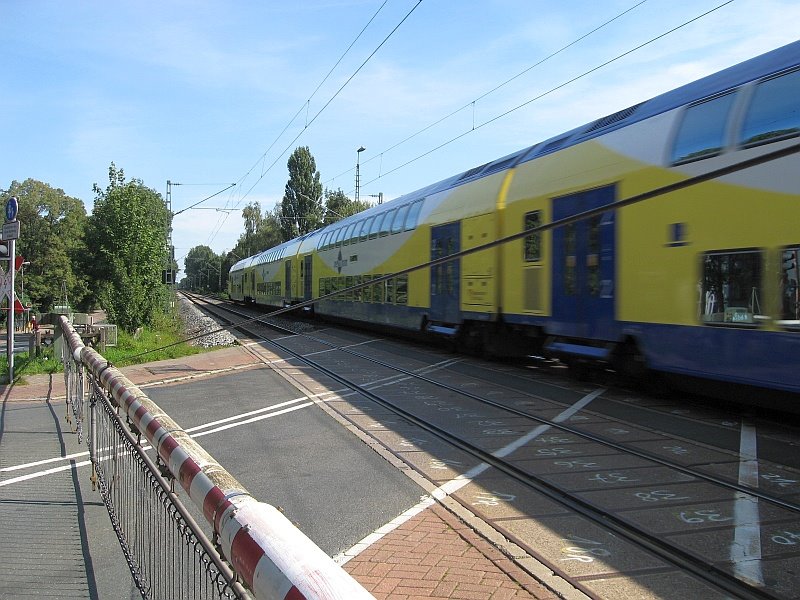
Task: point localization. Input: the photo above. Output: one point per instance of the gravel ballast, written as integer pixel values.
(197, 323)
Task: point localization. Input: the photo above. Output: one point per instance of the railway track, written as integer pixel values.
(564, 474)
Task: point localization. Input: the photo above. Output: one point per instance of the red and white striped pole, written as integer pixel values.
(272, 557)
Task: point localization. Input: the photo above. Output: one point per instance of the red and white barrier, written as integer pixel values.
(270, 555)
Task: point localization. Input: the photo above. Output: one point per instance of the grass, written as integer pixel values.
(160, 342)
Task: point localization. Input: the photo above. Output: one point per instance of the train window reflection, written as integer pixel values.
(413, 215)
(702, 131)
(401, 290)
(773, 112)
(399, 219)
(348, 235)
(731, 288)
(339, 234)
(366, 229)
(533, 242)
(387, 222)
(790, 291)
(376, 226)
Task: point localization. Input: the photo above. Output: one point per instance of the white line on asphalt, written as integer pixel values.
(745, 551)
(459, 482)
(196, 431)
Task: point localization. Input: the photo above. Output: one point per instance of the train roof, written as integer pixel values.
(775, 61)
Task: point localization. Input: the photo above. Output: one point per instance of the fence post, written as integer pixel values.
(270, 555)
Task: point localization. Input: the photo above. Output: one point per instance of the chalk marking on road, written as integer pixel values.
(459, 482)
(745, 550)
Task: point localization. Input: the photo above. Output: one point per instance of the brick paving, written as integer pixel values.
(434, 555)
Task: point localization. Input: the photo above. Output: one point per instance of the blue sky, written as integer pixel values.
(199, 93)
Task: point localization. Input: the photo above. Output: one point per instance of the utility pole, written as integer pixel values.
(169, 275)
(358, 167)
(10, 234)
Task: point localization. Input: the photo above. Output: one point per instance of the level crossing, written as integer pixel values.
(64, 546)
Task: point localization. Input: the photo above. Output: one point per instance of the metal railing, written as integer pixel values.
(254, 549)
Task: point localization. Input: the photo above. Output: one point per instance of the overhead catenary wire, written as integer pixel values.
(305, 105)
(334, 96)
(551, 90)
(497, 87)
(175, 214)
(475, 127)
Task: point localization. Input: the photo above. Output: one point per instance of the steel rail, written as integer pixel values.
(733, 486)
(676, 556)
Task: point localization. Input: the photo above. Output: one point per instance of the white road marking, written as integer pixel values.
(197, 431)
(459, 482)
(745, 551)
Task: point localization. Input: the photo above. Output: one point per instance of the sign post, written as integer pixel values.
(10, 235)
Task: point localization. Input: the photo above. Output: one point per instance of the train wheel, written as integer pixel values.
(630, 362)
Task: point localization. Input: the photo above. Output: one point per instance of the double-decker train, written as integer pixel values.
(699, 279)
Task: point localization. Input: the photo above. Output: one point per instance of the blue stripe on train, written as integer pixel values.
(747, 356)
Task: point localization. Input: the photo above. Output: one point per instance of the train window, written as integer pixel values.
(570, 260)
(387, 222)
(731, 290)
(348, 234)
(773, 113)
(593, 256)
(400, 219)
(376, 226)
(413, 215)
(390, 291)
(365, 229)
(790, 290)
(401, 290)
(379, 291)
(533, 242)
(358, 231)
(339, 234)
(366, 293)
(348, 283)
(702, 131)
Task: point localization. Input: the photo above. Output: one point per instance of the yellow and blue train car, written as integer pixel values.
(701, 280)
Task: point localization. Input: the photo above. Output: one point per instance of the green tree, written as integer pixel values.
(52, 227)
(261, 231)
(203, 268)
(301, 209)
(127, 238)
(338, 206)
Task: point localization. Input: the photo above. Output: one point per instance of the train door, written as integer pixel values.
(287, 280)
(308, 281)
(583, 267)
(445, 279)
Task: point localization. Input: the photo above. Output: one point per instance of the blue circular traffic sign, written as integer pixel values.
(12, 206)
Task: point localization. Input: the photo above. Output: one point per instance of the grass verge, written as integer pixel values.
(160, 342)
